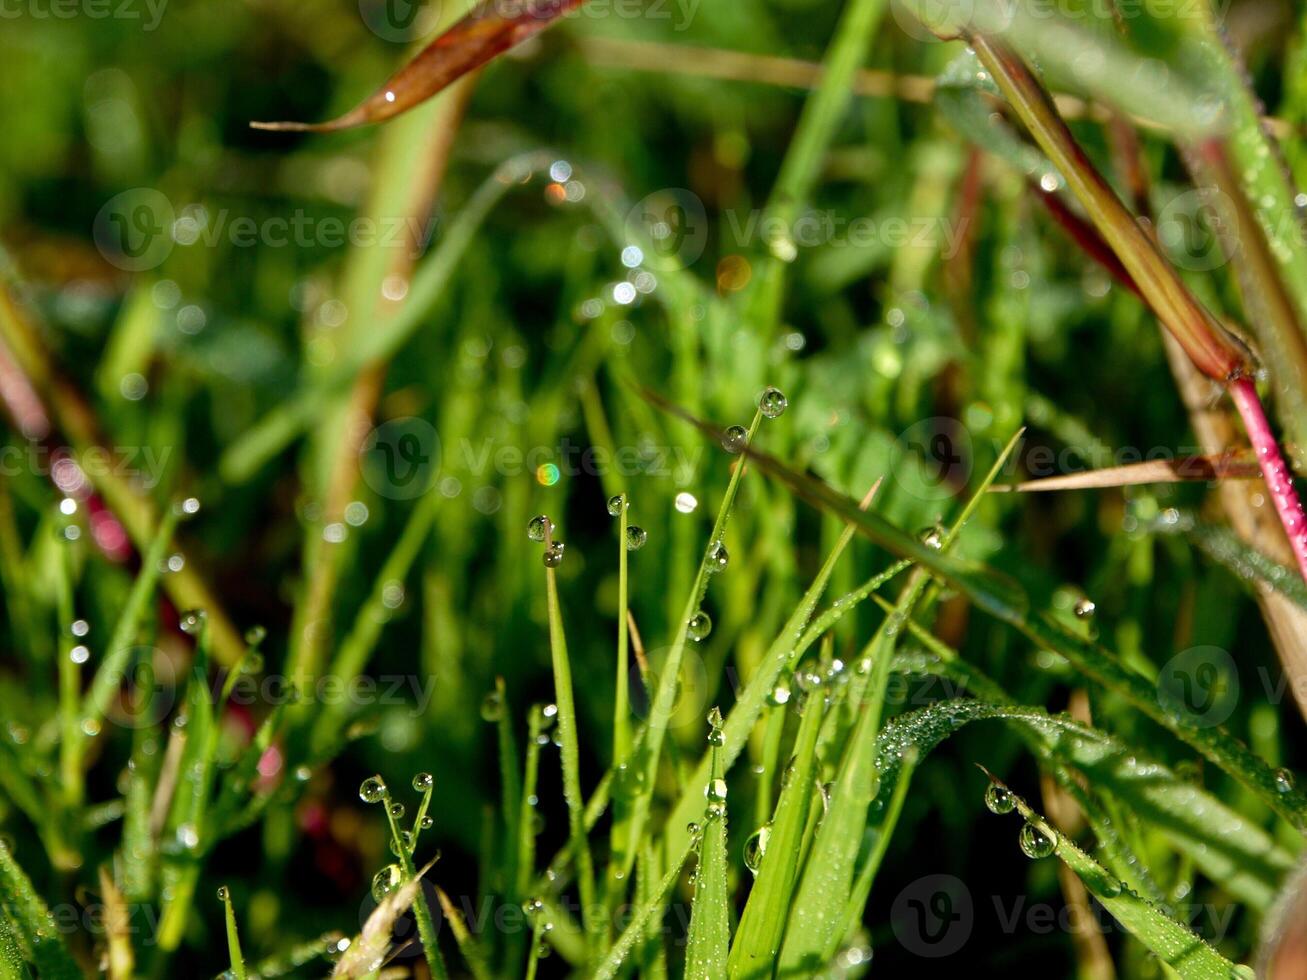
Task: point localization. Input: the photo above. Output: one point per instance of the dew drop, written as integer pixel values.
(255, 635)
(193, 622)
(715, 791)
(616, 505)
(636, 536)
(538, 527)
(699, 626)
(386, 881)
(553, 556)
(718, 557)
(372, 790)
(492, 706)
(423, 782)
(1084, 608)
(397, 810)
(773, 403)
(735, 439)
(1284, 780)
(1034, 842)
(999, 799)
(426, 823)
(223, 893)
(755, 847)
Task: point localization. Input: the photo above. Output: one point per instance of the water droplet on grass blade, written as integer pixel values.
(492, 707)
(1084, 608)
(538, 527)
(999, 799)
(1034, 842)
(397, 810)
(372, 790)
(715, 791)
(718, 557)
(223, 893)
(735, 439)
(193, 622)
(1284, 780)
(386, 881)
(755, 847)
(553, 556)
(616, 505)
(773, 403)
(699, 626)
(636, 537)
(423, 782)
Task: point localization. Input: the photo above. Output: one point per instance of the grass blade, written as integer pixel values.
(233, 937)
(569, 753)
(35, 929)
(710, 923)
(762, 925)
(1171, 941)
(643, 915)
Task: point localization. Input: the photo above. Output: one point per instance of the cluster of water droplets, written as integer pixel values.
(1035, 842)
(403, 841)
(539, 529)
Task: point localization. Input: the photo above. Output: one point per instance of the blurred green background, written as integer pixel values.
(978, 317)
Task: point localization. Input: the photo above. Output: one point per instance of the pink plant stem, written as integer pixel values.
(1274, 469)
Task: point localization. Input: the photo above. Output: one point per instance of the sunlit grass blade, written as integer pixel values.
(117, 927)
(762, 924)
(34, 927)
(569, 754)
(1170, 940)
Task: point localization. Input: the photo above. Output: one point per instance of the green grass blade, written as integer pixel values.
(33, 925)
(1004, 599)
(109, 677)
(569, 754)
(753, 699)
(649, 749)
(642, 916)
(1171, 941)
(233, 937)
(1229, 848)
(710, 914)
(762, 925)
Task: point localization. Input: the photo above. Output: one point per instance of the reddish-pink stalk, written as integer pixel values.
(1274, 468)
